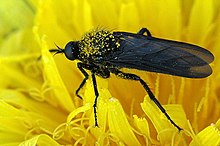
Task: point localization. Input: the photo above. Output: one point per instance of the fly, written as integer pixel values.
(104, 52)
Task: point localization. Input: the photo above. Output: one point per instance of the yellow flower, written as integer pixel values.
(38, 104)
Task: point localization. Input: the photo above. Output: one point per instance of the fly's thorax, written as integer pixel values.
(97, 43)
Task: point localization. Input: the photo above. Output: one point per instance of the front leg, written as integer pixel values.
(81, 67)
(150, 93)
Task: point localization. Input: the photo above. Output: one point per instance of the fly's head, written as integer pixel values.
(71, 50)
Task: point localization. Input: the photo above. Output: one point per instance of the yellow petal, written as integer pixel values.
(118, 123)
(143, 127)
(128, 9)
(21, 117)
(75, 112)
(210, 136)
(166, 131)
(11, 20)
(41, 140)
(200, 27)
(16, 33)
(102, 109)
(53, 77)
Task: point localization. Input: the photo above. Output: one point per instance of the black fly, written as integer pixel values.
(104, 52)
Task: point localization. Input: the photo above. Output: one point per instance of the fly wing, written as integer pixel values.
(163, 56)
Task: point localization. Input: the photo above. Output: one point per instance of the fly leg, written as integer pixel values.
(96, 97)
(81, 67)
(151, 95)
(144, 30)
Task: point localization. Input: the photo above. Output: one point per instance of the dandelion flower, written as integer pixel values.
(38, 104)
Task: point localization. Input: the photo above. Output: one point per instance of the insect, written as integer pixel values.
(103, 52)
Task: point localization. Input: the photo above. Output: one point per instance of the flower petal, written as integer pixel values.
(118, 123)
(209, 136)
(53, 77)
(143, 127)
(21, 117)
(41, 139)
(165, 129)
(200, 27)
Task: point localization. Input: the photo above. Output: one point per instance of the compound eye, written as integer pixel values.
(71, 50)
